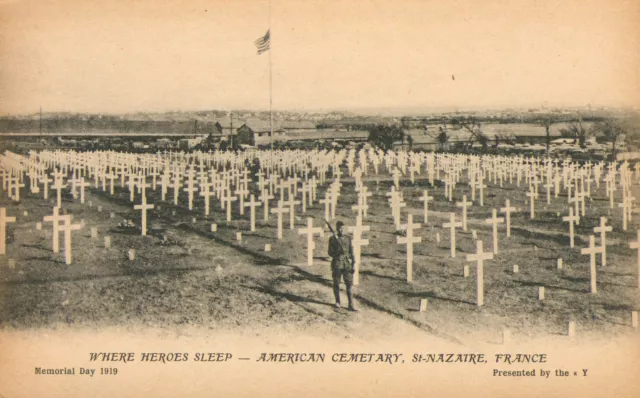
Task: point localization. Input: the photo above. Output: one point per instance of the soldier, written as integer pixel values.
(342, 264)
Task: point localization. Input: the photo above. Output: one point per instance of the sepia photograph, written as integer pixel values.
(284, 198)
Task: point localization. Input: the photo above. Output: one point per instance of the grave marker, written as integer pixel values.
(603, 229)
(592, 250)
(480, 257)
(507, 209)
(452, 224)
(571, 218)
(409, 240)
(464, 205)
(310, 231)
(636, 245)
(494, 221)
(55, 218)
(68, 228)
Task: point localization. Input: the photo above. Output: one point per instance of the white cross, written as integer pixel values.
(229, 199)
(54, 219)
(425, 198)
(507, 210)
(68, 228)
(603, 229)
(480, 257)
(265, 197)
(280, 210)
(481, 186)
(58, 185)
(242, 193)
(532, 196)
(357, 243)
(253, 204)
(452, 224)
(82, 184)
(592, 250)
(3, 229)
(144, 207)
(571, 218)
(310, 231)
(46, 180)
(206, 194)
(494, 221)
(409, 240)
(191, 188)
(636, 245)
(464, 204)
(292, 211)
(359, 207)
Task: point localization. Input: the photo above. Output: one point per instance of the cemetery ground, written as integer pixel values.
(183, 274)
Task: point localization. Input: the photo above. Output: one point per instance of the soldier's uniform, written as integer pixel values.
(342, 265)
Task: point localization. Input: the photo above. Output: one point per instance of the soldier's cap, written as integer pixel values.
(339, 224)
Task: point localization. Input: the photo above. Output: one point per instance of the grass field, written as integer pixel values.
(184, 274)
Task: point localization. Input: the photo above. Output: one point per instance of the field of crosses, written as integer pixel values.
(461, 247)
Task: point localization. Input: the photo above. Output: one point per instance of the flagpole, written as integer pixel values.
(270, 88)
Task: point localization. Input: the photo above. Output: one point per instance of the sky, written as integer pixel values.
(121, 56)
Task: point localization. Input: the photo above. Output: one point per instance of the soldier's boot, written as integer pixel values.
(336, 294)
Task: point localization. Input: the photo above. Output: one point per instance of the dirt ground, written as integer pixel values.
(184, 275)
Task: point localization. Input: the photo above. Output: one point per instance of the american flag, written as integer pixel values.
(263, 42)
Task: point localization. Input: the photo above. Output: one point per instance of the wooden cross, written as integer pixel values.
(623, 206)
(409, 240)
(480, 257)
(305, 191)
(571, 219)
(359, 207)
(55, 218)
(16, 186)
(327, 204)
(494, 221)
(626, 210)
(253, 204)
(425, 198)
(507, 210)
(132, 184)
(396, 205)
(481, 186)
(580, 203)
(464, 204)
(532, 196)
(229, 199)
(82, 184)
(58, 185)
(292, 211)
(265, 197)
(357, 243)
(112, 177)
(636, 245)
(242, 193)
(280, 210)
(191, 188)
(3, 229)
(364, 194)
(592, 250)
(603, 229)
(310, 231)
(452, 224)
(46, 180)
(144, 207)
(548, 186)
(206, 194)
(68, 228)
(176, 188)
